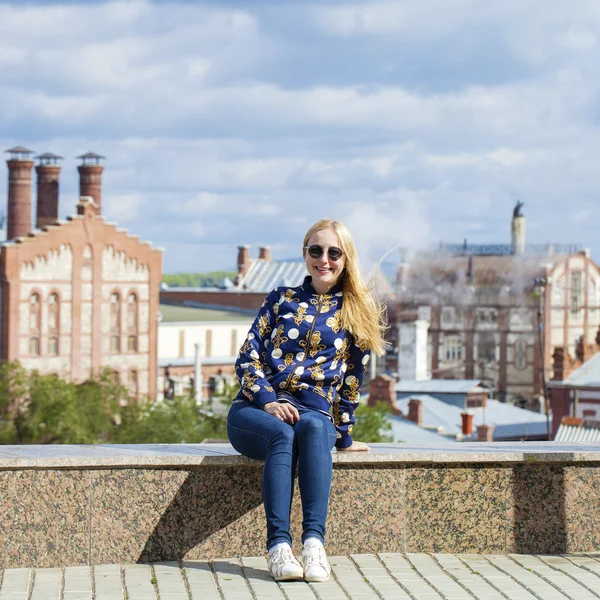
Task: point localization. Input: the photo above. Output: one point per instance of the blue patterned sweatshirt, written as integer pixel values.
(297, 348)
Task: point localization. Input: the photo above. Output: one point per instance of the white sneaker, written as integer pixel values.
(314, 561)
(283, 564)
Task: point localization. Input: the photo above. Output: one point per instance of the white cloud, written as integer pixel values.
(226, 124)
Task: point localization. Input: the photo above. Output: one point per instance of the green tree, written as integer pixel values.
(373, 424)
(44, 409)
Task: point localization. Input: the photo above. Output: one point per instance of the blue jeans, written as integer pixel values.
(307, 444)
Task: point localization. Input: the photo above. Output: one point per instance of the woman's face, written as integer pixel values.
(324, 271)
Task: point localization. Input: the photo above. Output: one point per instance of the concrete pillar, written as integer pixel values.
(518, 235)
(412, 350)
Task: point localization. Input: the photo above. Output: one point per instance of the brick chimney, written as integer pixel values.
(485, 433)
(90, 178)
(382, 389)
(561, 364)
(415, 411)
(264, 252)
(19, 192)
(48, 171)
(467, 423)
(243, 260)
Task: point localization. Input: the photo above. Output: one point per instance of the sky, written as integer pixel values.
(244, 122)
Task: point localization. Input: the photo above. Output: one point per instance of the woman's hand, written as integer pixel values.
(355, 447)
(283, 411)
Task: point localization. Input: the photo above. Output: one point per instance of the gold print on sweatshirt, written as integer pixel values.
(335, 322)
(287, 361)
(342, 353)
(250, 385)
(325, 302)
(288, 295)
(247, 346)
(278, 337)
(317, 373)
(352, 391)
(314, 344)
(263, 325)
(300, 315)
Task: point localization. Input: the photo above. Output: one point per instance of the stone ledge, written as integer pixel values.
(174, 456)
(92, 505)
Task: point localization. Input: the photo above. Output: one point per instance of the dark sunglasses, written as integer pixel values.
(316, 251)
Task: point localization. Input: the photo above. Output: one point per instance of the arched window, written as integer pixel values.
(115, 323)
(35, 308)
(132, 323)
(132, 383)
(34, 346)
(53, 324)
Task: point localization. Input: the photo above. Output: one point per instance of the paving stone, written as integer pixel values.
(496, 578)
(410, 580)
(356, 577)
(526, 577)
(230, 579)
(201, 581)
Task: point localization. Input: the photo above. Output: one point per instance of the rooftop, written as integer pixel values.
(263, 276)
(587, 375)
(172, 313)
(509, 421)
(439, 386)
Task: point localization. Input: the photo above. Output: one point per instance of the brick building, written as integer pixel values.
(79, 294)
(479, 306)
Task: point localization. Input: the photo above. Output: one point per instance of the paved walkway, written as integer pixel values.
(358, 577)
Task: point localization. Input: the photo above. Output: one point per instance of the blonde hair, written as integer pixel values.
(362, 316)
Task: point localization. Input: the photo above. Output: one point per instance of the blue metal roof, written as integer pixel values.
(263, 276)
(573, 433)
(440, 386)
(509, 421)
(409, 432)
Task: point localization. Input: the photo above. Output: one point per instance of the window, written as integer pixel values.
(53, 324)
(34, 346)
(558, 292)
(521, 354)
(486, 347)
(34, 312)
(115, 323)
(592, 293)
(53, 346)
(131, 343)
(132, 323)
(35, 307)
(576, 290)
(132, 383)
(453, 348)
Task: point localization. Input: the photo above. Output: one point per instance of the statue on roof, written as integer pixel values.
(517, 210)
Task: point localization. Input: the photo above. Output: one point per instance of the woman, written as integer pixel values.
(303, 359)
